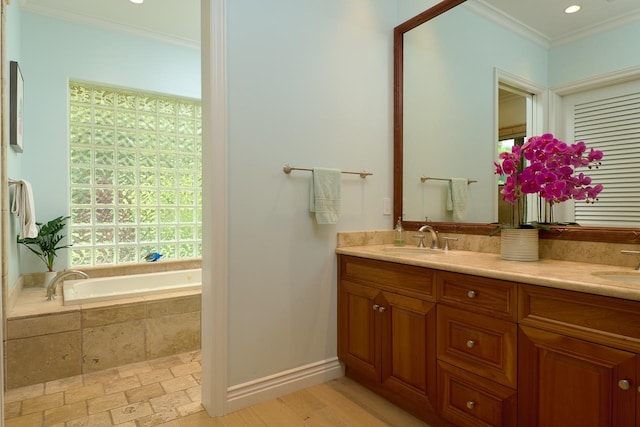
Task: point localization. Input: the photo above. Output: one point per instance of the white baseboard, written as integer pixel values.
(270, 387)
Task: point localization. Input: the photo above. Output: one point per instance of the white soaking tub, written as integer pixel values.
(134, 285)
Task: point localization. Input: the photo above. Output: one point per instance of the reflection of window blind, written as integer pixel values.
(613, 126)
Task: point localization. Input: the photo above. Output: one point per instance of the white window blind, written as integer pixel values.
(611, 124)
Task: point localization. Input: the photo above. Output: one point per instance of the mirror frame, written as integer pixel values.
(592, 234)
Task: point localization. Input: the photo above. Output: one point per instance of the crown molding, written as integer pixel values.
(601, 27)
(108, 25)
(497, 16)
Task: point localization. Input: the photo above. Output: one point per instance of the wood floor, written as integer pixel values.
(338, 403)
(166, 392)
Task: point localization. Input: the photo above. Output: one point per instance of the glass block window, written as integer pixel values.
(136, 175)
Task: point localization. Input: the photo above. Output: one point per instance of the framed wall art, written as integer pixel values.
(16, 107)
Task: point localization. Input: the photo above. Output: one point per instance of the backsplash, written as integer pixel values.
(566, 250)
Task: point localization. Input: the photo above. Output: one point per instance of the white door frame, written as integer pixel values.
(537, 118)
(215, 212)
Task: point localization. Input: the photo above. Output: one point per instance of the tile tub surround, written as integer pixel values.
(46, 341)
(562, 250)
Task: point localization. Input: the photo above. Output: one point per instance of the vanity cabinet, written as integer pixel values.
(463, 350)
(578, 359)
(386, 335)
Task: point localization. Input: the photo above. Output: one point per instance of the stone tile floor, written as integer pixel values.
(142, 394)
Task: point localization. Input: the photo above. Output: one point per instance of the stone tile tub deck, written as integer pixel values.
(46, 340)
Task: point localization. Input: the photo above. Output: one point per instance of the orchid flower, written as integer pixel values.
(549, 171)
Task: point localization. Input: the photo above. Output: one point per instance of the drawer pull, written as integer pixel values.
(472, 294)
(471, 343)
(624, 384)
(471, 404)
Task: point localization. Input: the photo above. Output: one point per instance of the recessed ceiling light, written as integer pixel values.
(136, 1)
(571, 9)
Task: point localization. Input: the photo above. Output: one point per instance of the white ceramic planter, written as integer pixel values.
(519, 244)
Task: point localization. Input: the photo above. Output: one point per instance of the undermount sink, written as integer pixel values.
(410, 250)
(619, 276)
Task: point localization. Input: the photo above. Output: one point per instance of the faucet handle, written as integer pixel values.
(446, 242)
(421, 241)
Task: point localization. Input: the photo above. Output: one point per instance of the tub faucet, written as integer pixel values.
(51, 289)
(434, 236)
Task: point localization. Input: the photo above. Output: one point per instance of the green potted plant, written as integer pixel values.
(47, 243)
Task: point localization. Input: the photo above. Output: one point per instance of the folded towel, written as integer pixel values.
(24, 208)
(458, 198)
(324, 195)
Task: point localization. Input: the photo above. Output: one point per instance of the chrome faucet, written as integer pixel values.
(434, 236)
(51, 289)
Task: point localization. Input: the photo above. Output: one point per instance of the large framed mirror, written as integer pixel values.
(464, 127)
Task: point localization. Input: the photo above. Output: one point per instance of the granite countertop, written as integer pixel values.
(573, 276)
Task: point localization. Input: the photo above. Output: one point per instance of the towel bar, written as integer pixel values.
(287, 169)
(425, 178)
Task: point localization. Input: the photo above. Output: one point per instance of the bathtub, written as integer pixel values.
(118, 287)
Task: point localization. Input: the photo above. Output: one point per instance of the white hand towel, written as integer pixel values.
(324, 195)
(458, 197)
(25, 209)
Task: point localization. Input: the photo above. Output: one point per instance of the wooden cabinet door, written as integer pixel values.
(564, 382)
(636, 387)
(358, 344)
(408, 333)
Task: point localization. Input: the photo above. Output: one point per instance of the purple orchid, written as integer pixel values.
(544, 165)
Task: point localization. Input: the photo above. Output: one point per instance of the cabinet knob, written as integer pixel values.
(471, 404)
(472, 294)
(375, 307)
(624, 384)
(381, 309)
(471, 343)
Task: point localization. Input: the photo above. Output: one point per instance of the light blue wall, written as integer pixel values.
(407, 9)
(54, 51)
(602, 53)
(309, 84)
(14, 15)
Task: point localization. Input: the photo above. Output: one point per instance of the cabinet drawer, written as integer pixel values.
(405, 279)
(610, 321)
(477, 343)
(468, 400)
(492, 297)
